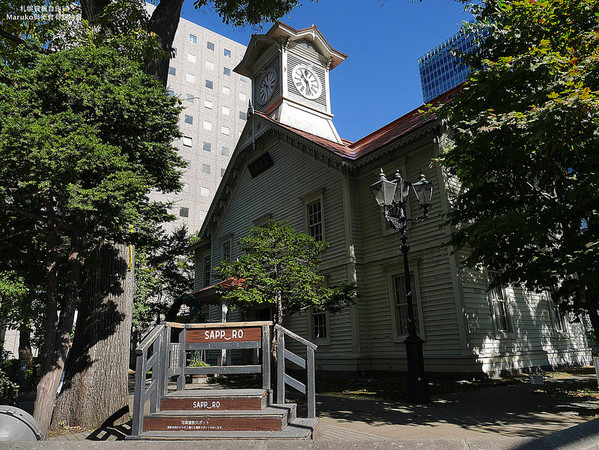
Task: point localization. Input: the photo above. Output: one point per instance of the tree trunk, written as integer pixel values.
(56, 337)
(95, 391)
(164, 23)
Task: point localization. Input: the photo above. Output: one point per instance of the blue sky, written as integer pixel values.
(379, 81)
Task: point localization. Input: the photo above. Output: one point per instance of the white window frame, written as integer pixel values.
(226, 248)
(206, 270)
(187, 141)
(395, 277)
(558, 319)
(309, 199)
(500, 304)
(192, 58)
(321, 315)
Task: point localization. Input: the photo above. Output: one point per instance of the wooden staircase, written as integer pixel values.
(225, 414)
(213, 411)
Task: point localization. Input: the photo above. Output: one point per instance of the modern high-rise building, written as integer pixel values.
(216, 102)
(441, 69)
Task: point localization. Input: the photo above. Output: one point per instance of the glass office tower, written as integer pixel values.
(440, 68)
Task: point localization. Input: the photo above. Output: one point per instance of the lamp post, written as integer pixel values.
(392, 196)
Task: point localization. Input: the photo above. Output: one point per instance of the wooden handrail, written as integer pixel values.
(189, 326)
(150, 337)
(159, 363)
(309, 389)
(298, 338)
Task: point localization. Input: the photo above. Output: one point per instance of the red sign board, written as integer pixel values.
(241, 334)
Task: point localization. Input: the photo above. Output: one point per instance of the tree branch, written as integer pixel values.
(10, 37)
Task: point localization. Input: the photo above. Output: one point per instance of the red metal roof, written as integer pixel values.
(397, 129)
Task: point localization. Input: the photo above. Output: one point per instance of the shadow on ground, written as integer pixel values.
(521, 410)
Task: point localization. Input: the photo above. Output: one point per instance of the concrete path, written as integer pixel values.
(520, 416)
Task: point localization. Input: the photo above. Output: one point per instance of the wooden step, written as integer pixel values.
(215, 400)
(297, 429)
(272, 418)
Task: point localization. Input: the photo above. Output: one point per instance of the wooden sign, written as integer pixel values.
(241, 334)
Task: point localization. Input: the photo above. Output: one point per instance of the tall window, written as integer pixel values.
(314, 212)
(500, 307)
(210, 45)
(226, 250)
(557, 315)
(206, 266)
(193, 39)
(319, 325)
(227, 53)
(401, 305)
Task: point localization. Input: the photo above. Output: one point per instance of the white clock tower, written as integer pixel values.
(290, 74)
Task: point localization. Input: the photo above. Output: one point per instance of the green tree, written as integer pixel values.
(525, 149)
(281, 267)
(85, 135)
(163, 272)
(110, 18)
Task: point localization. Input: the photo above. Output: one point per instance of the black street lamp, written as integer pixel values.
(391, 196)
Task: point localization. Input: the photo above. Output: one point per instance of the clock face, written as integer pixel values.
(266, 86)
(306, 82)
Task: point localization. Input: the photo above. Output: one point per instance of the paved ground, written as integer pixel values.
(514, 416)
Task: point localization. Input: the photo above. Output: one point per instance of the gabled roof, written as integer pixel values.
(399, 128)
(347, 152)
(280, 31)
(334, 147)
